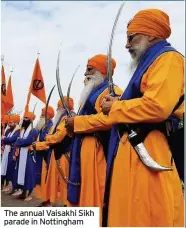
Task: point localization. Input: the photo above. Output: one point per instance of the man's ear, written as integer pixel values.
(151, 38)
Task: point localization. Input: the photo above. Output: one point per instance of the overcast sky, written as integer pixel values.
(83, 27)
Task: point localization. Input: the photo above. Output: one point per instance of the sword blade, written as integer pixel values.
(109, 53)
(33, 113)
(50, 94)
(69, 87)
(147, 159)
(143, 153)
(59, 86)
(34, 107)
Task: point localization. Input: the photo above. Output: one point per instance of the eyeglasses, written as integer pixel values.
(131, 36)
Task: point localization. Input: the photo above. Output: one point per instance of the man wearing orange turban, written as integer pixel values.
(8, 163)
(43, 126)
(59, 144)
(24, 178)
(99, 62)
(89, 149)
(29, 116)
(69, 103)
(135, 194)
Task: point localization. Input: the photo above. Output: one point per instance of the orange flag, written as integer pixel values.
(3, 92)
(9, 96)
(37, 87)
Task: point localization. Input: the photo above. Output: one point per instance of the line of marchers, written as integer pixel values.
(66, 212)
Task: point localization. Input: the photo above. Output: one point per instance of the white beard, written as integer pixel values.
(94, 80)
(139, 51)
(40, 124)
(132, 67)
(59, 113)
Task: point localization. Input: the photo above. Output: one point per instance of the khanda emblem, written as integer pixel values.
(3, 89)
(38, 84)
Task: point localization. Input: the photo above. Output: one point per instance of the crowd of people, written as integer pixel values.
(87, 159)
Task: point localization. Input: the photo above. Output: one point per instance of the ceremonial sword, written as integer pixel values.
(109, 53)
(66, 107)
(48, 99)
(33, 152)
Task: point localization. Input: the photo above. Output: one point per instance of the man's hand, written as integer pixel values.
(34, 146)
(69, 125)
(30, 147)
(107, 103)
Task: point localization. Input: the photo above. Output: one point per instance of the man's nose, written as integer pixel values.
(128, 45)
(87, 73)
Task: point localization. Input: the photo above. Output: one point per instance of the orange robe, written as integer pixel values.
(54, 182)
(39, 189)
(139, 196)
(93, 163)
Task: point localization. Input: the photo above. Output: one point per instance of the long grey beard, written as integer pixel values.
(95, 80)
(40, 124)
(58, 115)
(132, 67)
(140, 50)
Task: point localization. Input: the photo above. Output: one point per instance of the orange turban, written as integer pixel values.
(14, 118)
(71, 103)
(100, 63)
(152, 22)
(30, 115)
(50, 112)
(5, 118)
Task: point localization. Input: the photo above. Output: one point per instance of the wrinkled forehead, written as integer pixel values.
(90, 70)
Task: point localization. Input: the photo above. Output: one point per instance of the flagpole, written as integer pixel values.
(38, 53)
(11, 71)
(2, 59)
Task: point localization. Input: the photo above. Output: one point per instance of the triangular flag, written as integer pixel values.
(9, 96)
(37, 87)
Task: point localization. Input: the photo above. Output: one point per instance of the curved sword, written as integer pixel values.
(33, 113)
(59, 86)
(109, 53)
(143, 153)
(69, 87)
(34, 107)
(50, 94)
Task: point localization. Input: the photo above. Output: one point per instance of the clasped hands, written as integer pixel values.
(105, 105)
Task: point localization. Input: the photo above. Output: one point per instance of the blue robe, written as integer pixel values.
(45, 154)
(30, 174)
(11, 163)
(5, 135)
(75, 166)
(7, 132)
